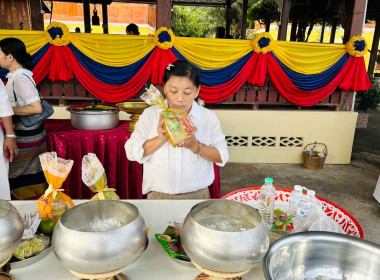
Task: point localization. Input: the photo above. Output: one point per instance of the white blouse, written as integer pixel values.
(5, 105)
(176, 170)
(24, 88)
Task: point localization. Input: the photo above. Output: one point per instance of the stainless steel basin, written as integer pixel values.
(309, 255)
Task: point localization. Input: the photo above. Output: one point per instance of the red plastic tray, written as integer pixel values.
(348, 223)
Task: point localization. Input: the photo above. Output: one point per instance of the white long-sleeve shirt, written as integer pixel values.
(176, 170)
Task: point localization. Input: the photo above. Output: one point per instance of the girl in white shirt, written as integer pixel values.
(186, 171)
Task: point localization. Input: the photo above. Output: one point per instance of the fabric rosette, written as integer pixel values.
(357, 46)
(262, 43)
(164, 38)
(59, 34)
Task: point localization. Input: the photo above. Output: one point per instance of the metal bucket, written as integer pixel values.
(94, 120)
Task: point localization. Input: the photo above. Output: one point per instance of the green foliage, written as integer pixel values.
(194, 21)
(188, 21)
(369, 99)
(265, 12)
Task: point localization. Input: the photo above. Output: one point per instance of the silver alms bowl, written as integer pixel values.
(224, 251)
(322, 254)
(11, 229)
(81, 247)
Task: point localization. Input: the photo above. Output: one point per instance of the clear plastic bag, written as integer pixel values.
(94, 177)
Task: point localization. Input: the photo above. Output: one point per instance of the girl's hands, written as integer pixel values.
(190, 143)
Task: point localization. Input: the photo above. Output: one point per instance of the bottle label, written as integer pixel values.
(265, 199)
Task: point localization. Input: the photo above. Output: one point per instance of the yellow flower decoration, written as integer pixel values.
(357, 46)
(262, 43)
(59, 34)
(164, 38)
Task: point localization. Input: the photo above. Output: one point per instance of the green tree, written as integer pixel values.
(188, 21)
(265, 12)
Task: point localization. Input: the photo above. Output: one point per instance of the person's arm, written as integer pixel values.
(10, 138)
(30, 109)
(153, 144)
(207, 152)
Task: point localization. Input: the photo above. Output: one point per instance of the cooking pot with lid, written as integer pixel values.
(94, 116)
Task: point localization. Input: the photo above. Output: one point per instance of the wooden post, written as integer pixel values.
(355, 26)
(105, 18)
(374, 48)
(244, 20)
(228, 19)
(37, 18)
(86, 14)
(283, 29)
(333, 32)
(164, 14)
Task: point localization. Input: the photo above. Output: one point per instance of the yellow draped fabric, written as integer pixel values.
(113, 50)
(33, 40)
(212, 53)
(308, 58)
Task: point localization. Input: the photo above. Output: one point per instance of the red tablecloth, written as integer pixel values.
(108, 145)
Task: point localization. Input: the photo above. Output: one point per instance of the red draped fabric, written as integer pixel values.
(108, 145)
(161, 59)
(300, 97)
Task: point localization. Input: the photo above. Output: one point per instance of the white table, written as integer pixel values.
(154, 263)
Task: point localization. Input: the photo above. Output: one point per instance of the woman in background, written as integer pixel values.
(8, 143)
(25, 173)
(132, 29)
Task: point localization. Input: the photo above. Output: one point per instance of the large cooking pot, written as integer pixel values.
(95, 116)
(11, 229)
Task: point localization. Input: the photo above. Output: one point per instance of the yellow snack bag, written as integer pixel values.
(94, 177)
(177, 123)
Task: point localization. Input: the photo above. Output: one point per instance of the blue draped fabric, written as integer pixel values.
(219, 76)
(314, 81)
(109, 74)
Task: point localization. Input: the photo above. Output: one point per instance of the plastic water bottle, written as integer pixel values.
(267, 196)
(294, 198)
(304, 206)
(314, 201)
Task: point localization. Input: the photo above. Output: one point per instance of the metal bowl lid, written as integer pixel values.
(93, 107)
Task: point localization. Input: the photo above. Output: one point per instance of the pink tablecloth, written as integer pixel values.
(123, 175)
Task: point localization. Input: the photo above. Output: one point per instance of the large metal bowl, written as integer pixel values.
(11, 229)
(99, 251)
(311, 254)
(224, 251)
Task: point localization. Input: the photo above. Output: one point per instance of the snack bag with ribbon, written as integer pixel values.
(94, 176)
(54, 202)
(177, 123)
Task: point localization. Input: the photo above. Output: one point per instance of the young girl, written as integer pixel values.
(184, 172)
(25, 173)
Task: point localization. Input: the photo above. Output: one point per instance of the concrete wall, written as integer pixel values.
(279, 136)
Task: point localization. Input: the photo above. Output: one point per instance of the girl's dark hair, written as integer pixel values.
(133, 28)
(17, 49)
(182, 69)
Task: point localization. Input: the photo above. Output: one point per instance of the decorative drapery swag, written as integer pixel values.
(114, 68)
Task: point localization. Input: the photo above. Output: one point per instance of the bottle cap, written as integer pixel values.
(268, 180)
(298, 188)
(311, 192)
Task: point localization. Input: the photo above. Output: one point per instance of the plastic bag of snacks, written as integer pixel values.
(177, 123)
(54, 202)
(94, 176)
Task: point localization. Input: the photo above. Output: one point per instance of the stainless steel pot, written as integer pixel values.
(82, 248)
(11, 229)
(238, 242)
(94, 119)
